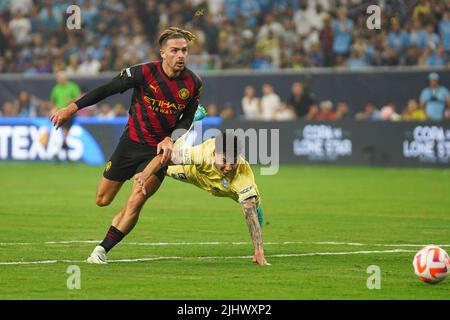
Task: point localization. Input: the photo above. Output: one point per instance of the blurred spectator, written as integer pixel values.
(247, 50)
(8, 109)
(271, 25)
(228, 112)
(261, 62)
(316, 57)
(444, 30)
(326, 37)
(436, 57)
(49, 18)
(251, 104)
(418, 35)
(342, 111)
(356, 59)
(23, 6)
(212, 110)
(105, 111)
(299, 100)
(447, 114)
(343, 28)
(269, 46)
(435, 98)
(397, 39)
(302, 24)
(313, 111)
(431, 37)
(412, 112)
(44, 108)
(211, 31)
(119, 110)
(20, 27)
(26, 105)
(421, 10)
(250, 11)
(269, 102)
(284, 113)
(4, 34)
(370, 112)
(389, 113)
(73, 68)
(90, 66)
(326, 111)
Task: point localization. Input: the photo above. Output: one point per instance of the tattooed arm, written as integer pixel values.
(250, 213)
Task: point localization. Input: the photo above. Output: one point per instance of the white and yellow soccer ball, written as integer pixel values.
(431, 264)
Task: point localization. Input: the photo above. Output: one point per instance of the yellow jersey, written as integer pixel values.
(198, 169)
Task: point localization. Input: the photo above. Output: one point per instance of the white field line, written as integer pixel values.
(212, 258)
(219, 243)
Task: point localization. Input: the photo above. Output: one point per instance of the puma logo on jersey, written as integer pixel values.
(155, 88)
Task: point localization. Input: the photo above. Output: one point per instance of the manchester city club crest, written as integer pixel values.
(183, 93)
(225, 183)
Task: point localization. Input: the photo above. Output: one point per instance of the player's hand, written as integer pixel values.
(259, 259)
(166, 146)
(61, 116)
(141, 178)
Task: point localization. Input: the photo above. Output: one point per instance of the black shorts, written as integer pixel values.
(129, 158)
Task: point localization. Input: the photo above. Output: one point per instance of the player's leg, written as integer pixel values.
(126, 219)
(65, 134)
(65, 130)
(106, 191)
(120, 167)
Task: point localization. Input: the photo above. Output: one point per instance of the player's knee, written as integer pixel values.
(102, 201)
(136, 201)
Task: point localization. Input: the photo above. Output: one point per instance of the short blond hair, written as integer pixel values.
(175, 33)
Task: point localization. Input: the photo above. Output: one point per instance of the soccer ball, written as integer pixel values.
(431, 264)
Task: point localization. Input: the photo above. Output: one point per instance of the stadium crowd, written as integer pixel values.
(254, 34)
(432, 103)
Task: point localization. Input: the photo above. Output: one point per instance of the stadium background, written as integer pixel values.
(355, 84)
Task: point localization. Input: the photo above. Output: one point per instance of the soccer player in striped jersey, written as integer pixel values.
(165, 97)
(217, 167)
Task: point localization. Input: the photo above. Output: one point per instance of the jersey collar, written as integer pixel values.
(171, 78)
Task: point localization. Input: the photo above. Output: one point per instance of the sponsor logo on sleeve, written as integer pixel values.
(246, 190)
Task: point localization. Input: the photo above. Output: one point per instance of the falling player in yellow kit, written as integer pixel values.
(221, 172)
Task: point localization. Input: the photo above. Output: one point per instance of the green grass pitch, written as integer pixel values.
(200, 243)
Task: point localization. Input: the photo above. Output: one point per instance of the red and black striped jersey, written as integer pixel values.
(159, 104)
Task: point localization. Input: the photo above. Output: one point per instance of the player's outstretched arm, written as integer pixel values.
(249, 208)
(118, 84)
